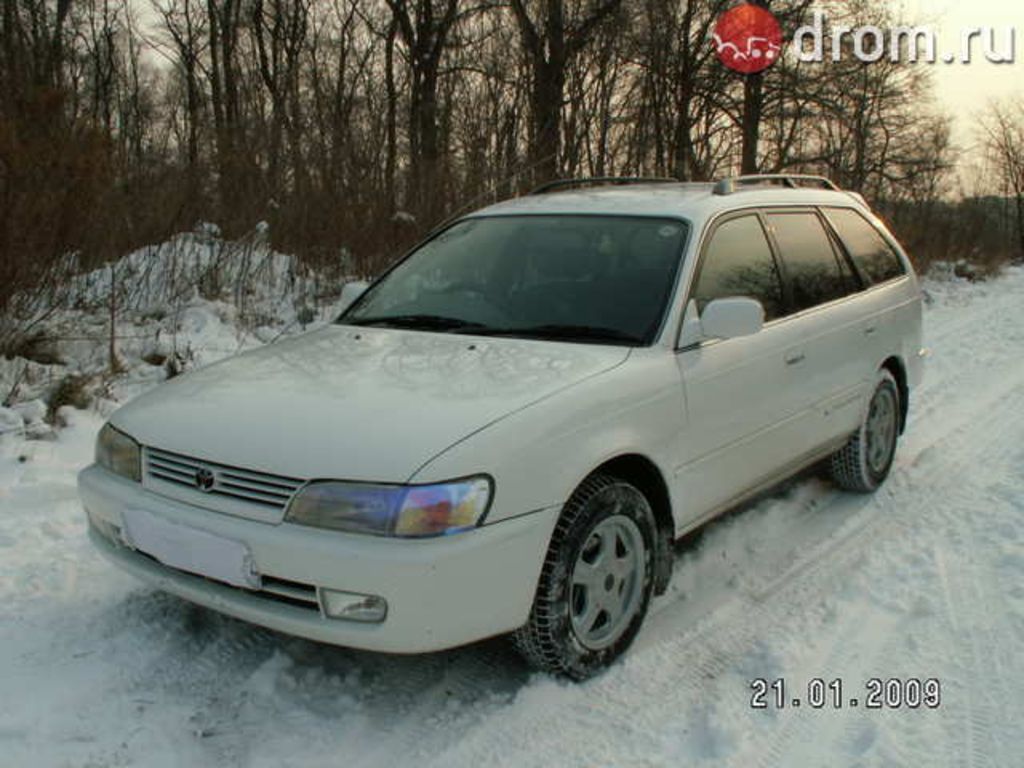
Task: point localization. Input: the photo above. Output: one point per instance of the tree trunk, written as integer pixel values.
(391, 121)
(549, 48)
(426, 151)
(425, 34)
(1020, 226)
(753, 108)
(683, 138)
(217, 104)
(546, 109)
(753, 103)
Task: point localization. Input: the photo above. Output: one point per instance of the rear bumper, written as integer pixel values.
(441, 592)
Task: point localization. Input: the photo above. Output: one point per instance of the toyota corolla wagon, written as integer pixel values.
(506, 432)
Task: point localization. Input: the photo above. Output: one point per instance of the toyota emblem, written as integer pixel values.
(205, 479)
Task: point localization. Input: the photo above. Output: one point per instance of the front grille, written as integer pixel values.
(267, 490)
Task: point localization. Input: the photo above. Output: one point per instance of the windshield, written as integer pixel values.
(596, 279)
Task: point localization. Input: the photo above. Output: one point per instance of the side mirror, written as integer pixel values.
(349, 293)
(732, 318)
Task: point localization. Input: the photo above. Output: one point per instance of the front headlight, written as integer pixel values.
(119, 453)
(408, 511)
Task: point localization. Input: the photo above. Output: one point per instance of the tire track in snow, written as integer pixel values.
(995, 430)
(869, 525)
(418, 702)
(994, 670)
(197, 647)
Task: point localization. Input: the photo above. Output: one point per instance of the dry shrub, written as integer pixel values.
(72, 390)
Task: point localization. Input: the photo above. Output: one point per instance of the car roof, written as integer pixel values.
(696, 202)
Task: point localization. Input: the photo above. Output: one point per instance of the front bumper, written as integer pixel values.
(441, 592)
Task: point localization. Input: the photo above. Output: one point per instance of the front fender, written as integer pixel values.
(539, 455)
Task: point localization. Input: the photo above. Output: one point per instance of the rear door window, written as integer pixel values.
(811, 262)
(738, 261)
(875, 258)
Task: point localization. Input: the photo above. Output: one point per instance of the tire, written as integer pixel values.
(863, 464)
(588, 608)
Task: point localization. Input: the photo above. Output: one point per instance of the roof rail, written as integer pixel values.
(728, 186)
(595, 180)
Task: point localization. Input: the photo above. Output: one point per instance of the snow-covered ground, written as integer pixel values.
(923, 580)
(178, 305)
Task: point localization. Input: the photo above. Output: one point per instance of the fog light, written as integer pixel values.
(353, 606)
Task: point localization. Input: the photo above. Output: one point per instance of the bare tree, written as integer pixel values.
(553, 33)
(425, 28)
(185, 24)
(327, 118)
(1002, 131)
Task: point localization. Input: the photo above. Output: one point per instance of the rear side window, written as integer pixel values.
(739, 262)
(874, 257)
(811, 263)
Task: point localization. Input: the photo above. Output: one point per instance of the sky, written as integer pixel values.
(965, 90)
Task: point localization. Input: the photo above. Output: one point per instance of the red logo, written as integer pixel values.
(748, 38)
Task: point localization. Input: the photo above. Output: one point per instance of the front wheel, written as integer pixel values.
(596, 582)
(864, 462)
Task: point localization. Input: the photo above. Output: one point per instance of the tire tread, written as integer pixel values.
(848, 466)
(535, 640)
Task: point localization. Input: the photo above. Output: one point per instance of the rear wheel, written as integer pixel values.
(864, 462)
(596, 582)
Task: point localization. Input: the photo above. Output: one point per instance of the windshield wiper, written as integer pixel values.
(567, 332)
(418, 322)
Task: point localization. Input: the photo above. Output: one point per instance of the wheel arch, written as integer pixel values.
(642, 472)
(896, 367)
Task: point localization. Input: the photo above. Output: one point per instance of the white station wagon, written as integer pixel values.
(507, 431)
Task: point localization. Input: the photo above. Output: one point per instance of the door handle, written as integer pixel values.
(870, 330)
(795, 358)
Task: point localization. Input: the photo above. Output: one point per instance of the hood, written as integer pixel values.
(354, 403)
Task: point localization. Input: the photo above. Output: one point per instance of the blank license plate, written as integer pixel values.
(189, 549)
